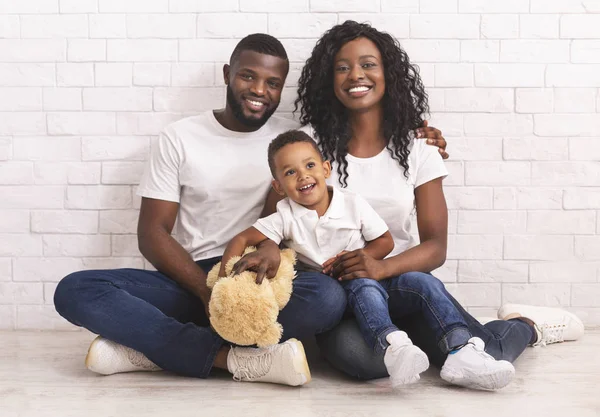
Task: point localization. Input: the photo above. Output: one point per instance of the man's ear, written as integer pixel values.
(277, 187)
(226, 72)
(327, 168)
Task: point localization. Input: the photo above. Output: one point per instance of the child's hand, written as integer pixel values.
(328, 263)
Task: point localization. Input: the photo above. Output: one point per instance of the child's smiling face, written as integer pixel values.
(300, 174)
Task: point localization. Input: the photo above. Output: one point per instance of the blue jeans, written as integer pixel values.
(420, 305)
(152, 314)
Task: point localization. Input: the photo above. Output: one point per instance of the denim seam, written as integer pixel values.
(362, 310)
(134, 285)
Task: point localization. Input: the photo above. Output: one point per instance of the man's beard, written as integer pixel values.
(238, 112)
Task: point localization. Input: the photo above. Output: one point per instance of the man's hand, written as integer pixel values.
(434, 138)
(265, 261)
(356, 264)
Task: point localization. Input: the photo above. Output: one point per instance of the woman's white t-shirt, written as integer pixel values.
(381, 181)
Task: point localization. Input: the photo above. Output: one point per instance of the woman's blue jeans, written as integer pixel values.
(152, 314)
(419, 304)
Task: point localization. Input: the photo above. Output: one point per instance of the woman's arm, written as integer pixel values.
(432, 218)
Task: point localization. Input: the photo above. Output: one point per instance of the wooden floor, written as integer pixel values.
(42, 374)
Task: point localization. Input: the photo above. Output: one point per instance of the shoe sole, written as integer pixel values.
(300, 361)
(485, 382)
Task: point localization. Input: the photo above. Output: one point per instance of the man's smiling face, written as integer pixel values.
(254, 85)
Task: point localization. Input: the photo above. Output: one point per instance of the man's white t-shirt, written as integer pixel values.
(219, 177)
(380, 180)
(348, 224)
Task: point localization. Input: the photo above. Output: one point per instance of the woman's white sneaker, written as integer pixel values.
(403, 360)
(552, 325)
(284, 363)
(107, 357)
(472, 367)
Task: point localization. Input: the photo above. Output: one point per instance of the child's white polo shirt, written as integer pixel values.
(348, 224)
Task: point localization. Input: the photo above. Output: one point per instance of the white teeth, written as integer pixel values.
(306, 187)
(358, 89)
(255, 103)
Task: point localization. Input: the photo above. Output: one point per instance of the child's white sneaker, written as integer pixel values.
(403, 360)
(107, 357)
(552, 325)
(472, 367)
(284, 363)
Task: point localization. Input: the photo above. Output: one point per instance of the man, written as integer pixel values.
(209, 174)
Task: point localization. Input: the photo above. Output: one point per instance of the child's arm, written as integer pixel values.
(381, 247)
(249, 237)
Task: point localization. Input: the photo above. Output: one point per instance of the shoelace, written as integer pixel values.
(551, 333)
(138, 359)
(252, 367)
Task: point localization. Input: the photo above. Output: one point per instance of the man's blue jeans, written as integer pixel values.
(417, 305)
(152, 314)
(412, 293)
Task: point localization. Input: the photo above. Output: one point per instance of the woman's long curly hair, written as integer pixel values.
(404, 101)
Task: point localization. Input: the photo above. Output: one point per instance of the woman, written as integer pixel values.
(362, 98)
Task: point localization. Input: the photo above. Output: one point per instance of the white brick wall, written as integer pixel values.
(514, 85)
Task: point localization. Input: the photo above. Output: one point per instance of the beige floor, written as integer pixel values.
(42, 374)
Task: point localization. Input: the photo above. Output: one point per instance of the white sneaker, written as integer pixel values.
(284, 363)
(552, 325)
(403, 360)
(471, 367)
(107, 357)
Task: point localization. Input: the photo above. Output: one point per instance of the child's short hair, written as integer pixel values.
(287, 138)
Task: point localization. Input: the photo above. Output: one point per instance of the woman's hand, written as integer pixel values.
(434, 138)
(265, 261)
(355, 264)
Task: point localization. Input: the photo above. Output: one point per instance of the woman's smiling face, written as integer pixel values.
(359, 80)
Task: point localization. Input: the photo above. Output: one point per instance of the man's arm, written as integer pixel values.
(249, 237)
(155, 242)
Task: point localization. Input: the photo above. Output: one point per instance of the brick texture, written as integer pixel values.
(86, 85)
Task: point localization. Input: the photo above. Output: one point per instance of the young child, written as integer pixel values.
(320, 222)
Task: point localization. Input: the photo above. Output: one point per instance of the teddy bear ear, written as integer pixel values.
(271, 336)
(213, 275)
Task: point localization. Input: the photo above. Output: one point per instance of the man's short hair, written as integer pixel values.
(287, 138)
(261, 43)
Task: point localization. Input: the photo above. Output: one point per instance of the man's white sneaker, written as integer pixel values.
(472, 367)
(107, 357)
(403, 360)
(284, 363)
(552, 325)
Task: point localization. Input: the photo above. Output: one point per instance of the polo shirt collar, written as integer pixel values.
(335, 210)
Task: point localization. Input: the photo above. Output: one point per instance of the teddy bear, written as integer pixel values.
(245, 313)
